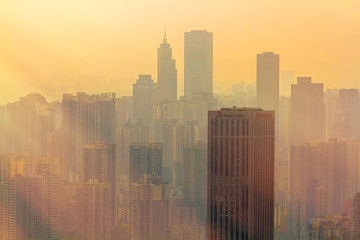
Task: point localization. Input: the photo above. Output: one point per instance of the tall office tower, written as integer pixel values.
(198, 62)
(267, 86)
(315, 200)
(167, 73)
(356, 216)
(123, 110)
(287, 78)
(125, 135)
(174, 134)
(31, 120)
(150, 205)
(93, 210)
(98, 162)
(144, 99)
(195, 156)
(87, 119)
(37, 207)
(295, 220)
(145, 158)
(241, 162)
(307, 113)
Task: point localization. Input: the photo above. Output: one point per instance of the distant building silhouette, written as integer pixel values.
(198, 62)
(98, 162)
(267, 86)
(144, 99)
(167, 73)
(86, 119)
(332, 163)
(307, 113)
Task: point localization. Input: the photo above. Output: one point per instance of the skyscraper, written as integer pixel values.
(31, 120)
(167, 73)
(240, 198)
(267, 80)
(198, 62)
(37, 207)
(144, 99)
(307, 113)
(267, 85)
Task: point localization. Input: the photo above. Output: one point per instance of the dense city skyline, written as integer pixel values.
(104, 40)
(246, 127)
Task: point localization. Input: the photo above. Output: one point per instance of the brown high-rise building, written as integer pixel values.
(240, 199)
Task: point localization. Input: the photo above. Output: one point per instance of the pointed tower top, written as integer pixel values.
(164, 40)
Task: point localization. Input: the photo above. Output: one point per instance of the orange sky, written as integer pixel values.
(118, 39)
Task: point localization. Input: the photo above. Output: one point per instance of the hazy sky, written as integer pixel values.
(119, 39)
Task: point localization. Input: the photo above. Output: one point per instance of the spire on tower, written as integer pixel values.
(164, 40)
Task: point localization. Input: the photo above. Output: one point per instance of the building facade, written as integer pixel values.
(240, 198)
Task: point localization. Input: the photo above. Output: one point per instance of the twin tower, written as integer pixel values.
(198, 66)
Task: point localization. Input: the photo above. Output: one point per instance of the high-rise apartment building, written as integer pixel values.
(37, 207)
(144, 99)
(125, 135)
(86, 119)
(198, 62)
(241, 152)
(332, 163)
(145, 158)
(150, 206)
(167, 73)
(30, 120)
(295, 220)
(98, 162)
(195, 172)
(307, 113)
(93, 210)
(315, 201)
(174, 134)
